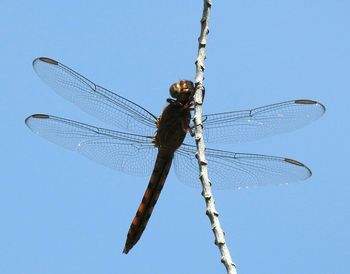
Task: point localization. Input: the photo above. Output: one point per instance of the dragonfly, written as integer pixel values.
(152, 144)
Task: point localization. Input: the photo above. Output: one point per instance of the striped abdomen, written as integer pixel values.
(144, 211)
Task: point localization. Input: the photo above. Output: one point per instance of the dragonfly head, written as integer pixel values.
(182, 90)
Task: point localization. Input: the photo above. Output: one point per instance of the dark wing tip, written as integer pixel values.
(36, 116)
(310, 102)
(40, 116)
(46, 60)
(294, 162)
(297, 163)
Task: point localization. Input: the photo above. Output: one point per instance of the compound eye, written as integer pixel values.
(174, 90)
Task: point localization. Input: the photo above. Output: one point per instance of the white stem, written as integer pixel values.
(202, 162)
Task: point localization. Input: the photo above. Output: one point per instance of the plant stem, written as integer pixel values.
(202, 162)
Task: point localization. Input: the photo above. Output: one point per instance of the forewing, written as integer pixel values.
(129, 153)
(93, 99)
(229, 170)
(248, 125)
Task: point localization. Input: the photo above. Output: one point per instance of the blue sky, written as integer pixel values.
(61, 213)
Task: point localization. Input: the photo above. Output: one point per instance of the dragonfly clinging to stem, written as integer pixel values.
(153, 143)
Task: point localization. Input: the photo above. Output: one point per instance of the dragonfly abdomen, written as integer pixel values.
(150, 198)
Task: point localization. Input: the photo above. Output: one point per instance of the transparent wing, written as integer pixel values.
(129, 153)
(93, 99)
(229, 170)
(248, 125)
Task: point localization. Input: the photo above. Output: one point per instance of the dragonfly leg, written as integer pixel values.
(157, 121)
(174, 102)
